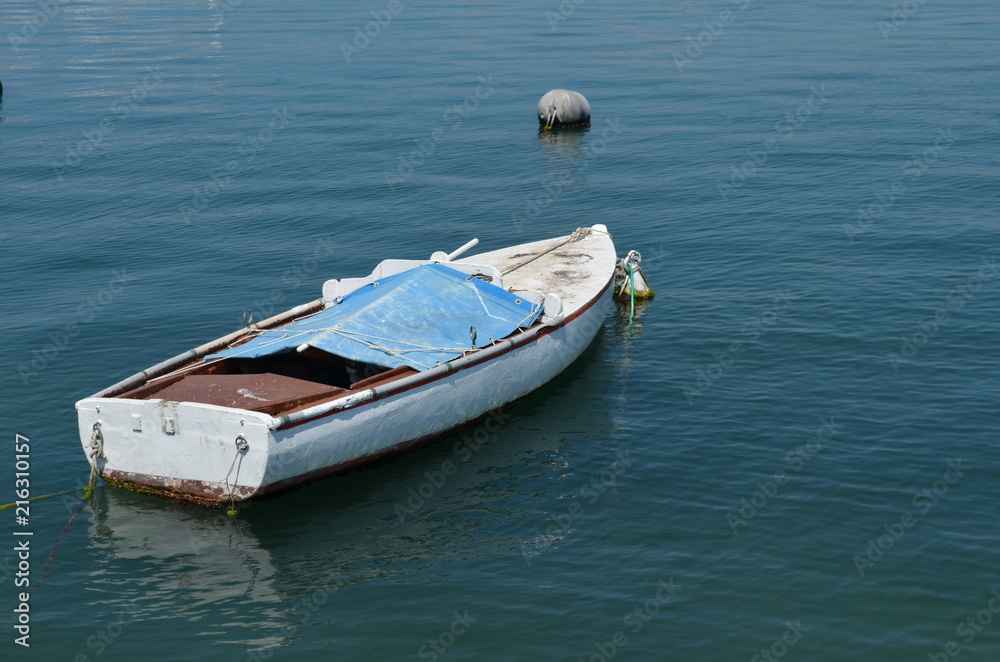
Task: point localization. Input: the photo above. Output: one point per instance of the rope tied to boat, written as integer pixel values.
(631, 284)
(95, 453)
(577, 235)
(242, 446)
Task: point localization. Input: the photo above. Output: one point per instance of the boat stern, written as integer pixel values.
(186, 451)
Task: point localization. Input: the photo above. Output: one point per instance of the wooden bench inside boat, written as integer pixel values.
(267, 393)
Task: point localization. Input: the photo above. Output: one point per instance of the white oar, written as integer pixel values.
(441, 256)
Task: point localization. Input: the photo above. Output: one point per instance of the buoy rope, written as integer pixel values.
(37, 498)
(631, 283)
(55, 547)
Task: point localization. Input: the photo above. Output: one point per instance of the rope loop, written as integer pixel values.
(631, 285)
(242, 446)
(97, 442)
(96, 452)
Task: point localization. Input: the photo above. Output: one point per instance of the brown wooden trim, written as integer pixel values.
(387, 376)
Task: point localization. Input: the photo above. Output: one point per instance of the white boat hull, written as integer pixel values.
(371, 430)
(193, 451)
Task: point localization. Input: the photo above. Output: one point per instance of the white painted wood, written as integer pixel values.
(434, 408)
(201, 448)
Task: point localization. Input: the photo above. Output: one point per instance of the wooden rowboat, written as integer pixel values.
(378, 365)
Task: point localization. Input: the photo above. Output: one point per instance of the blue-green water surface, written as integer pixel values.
(792, 454)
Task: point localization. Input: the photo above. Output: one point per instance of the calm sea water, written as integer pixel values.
(794, 450)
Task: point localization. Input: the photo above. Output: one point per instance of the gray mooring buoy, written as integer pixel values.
(558, 108)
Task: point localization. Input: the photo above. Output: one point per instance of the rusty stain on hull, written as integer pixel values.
(198, 492)
(216, 495)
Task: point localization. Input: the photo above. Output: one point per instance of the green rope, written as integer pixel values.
(631, 284)
(37, 498)
(88, 491)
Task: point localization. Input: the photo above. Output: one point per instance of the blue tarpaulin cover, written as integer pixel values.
(417, 318)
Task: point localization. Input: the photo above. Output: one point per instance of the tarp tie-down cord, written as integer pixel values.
(282, 336)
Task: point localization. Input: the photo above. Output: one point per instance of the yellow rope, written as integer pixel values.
(38, 498)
